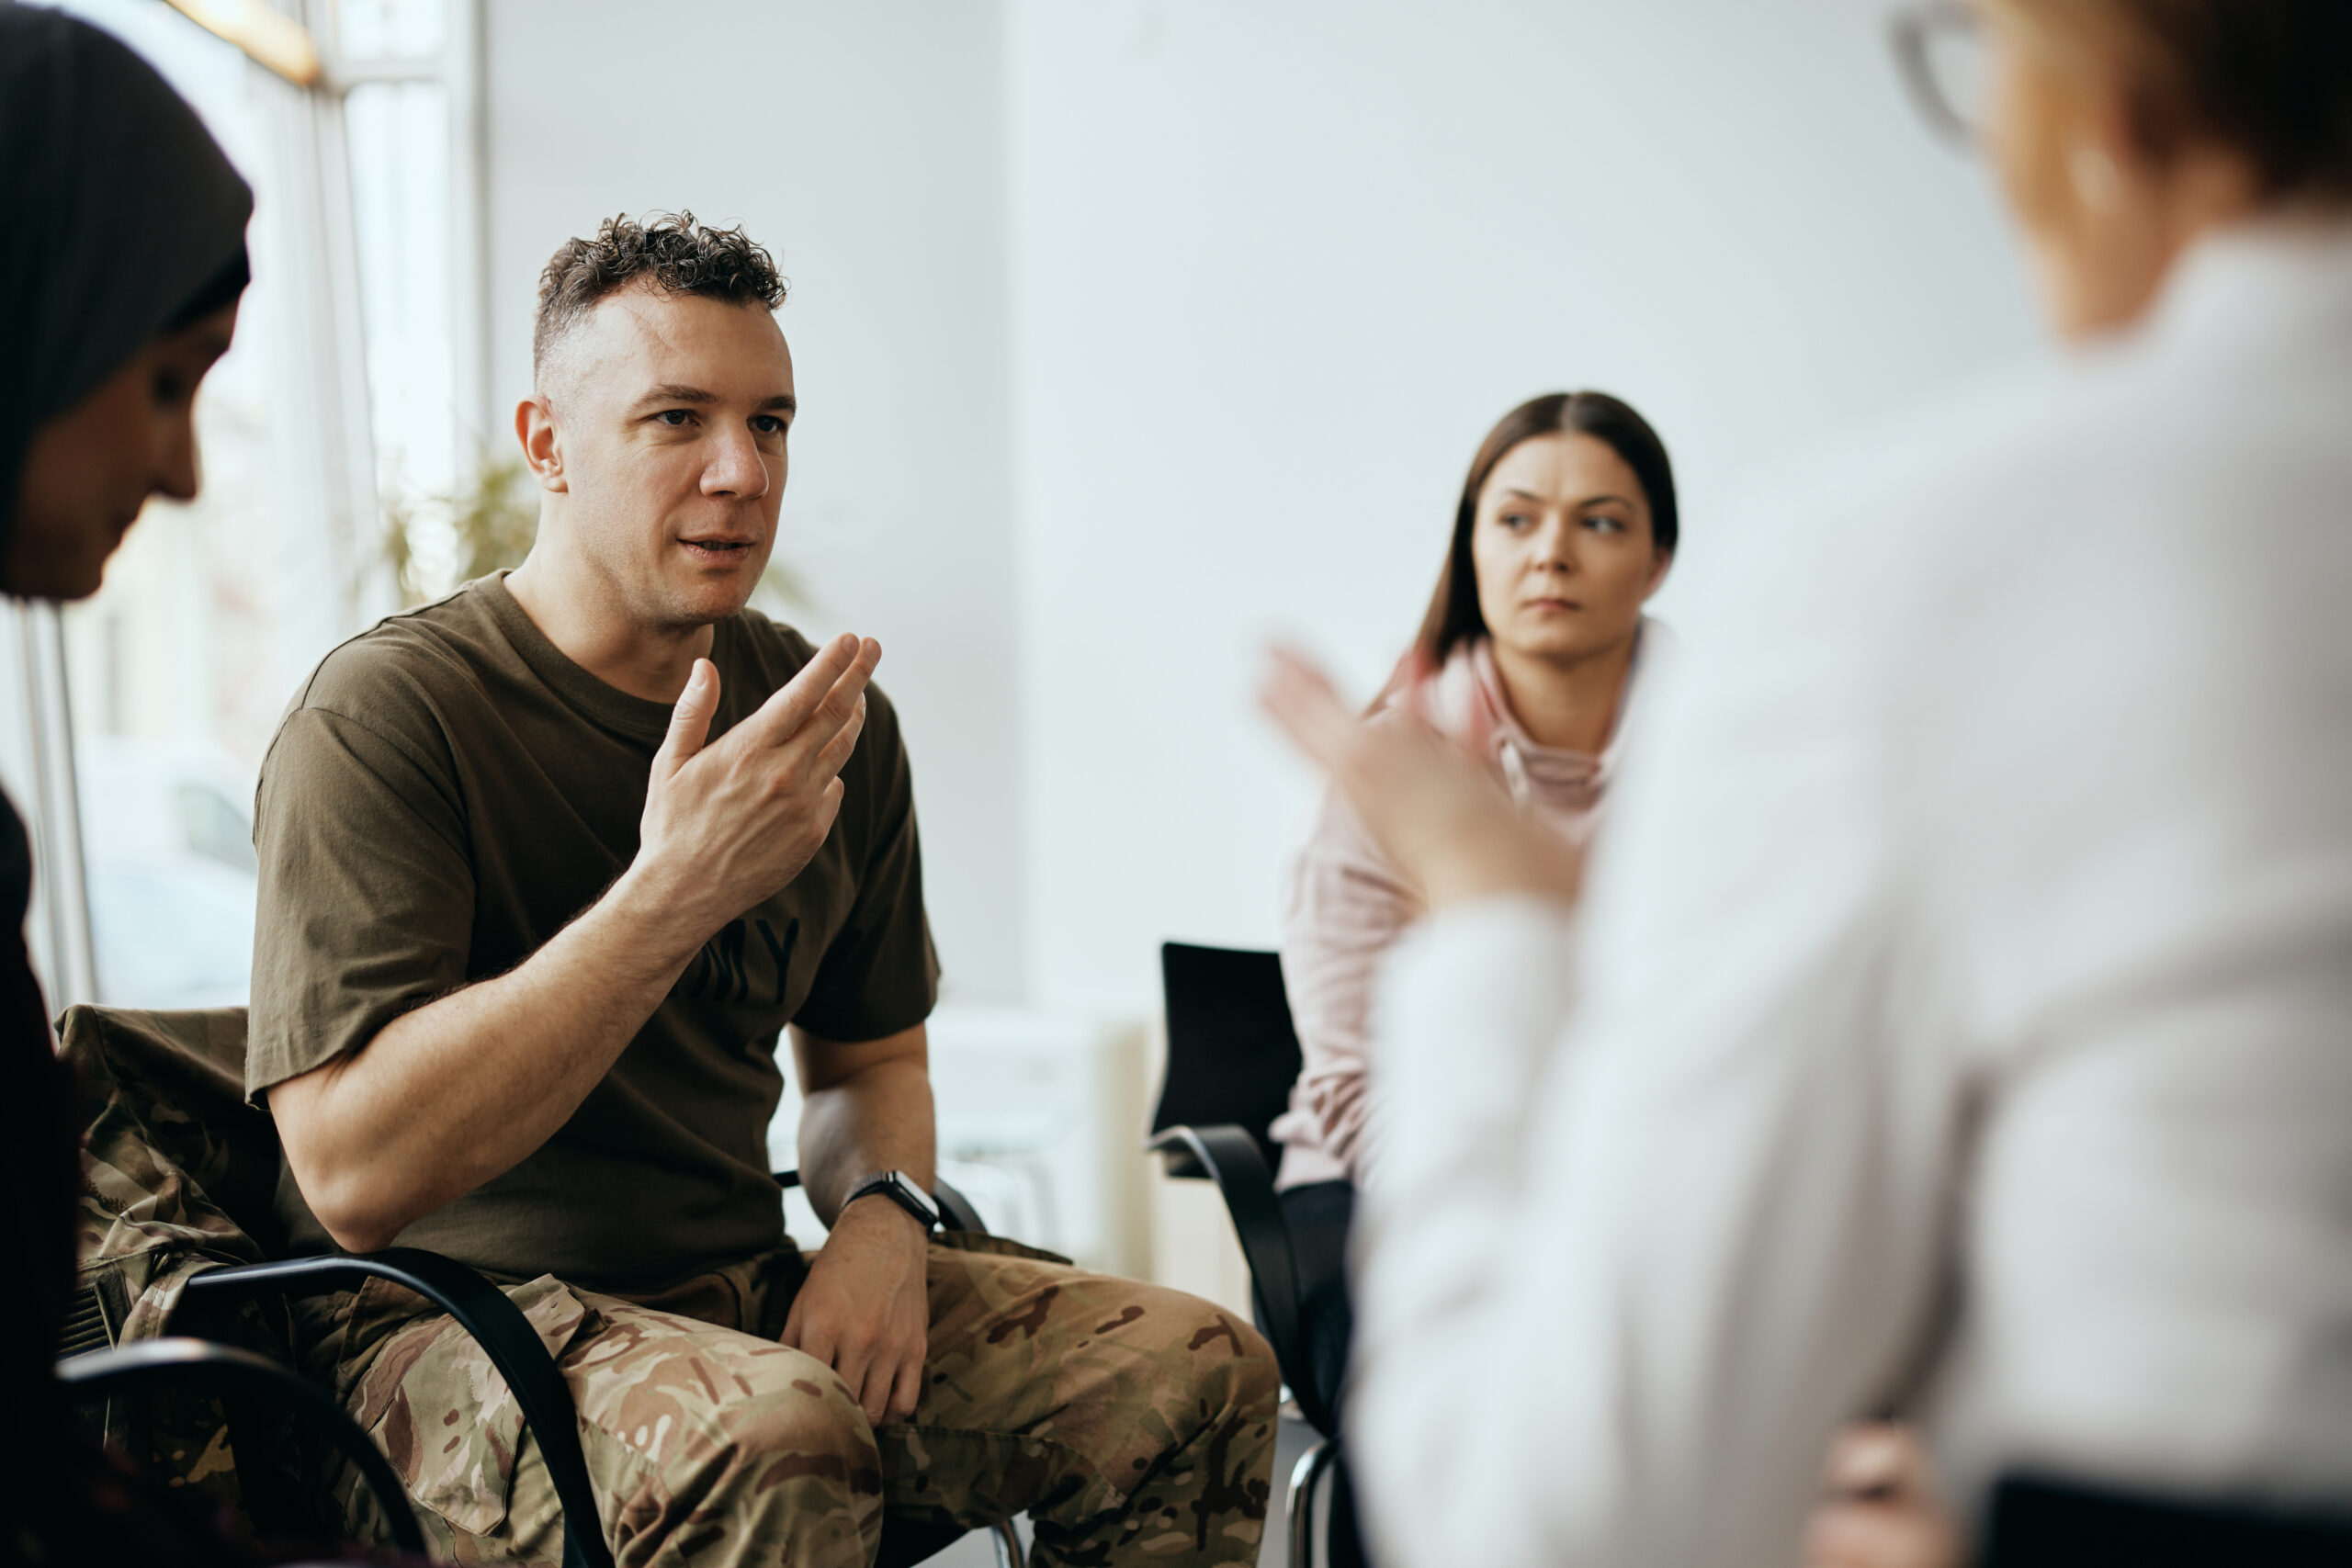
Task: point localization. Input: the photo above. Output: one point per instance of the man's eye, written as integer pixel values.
(767, 425)
(673, 417)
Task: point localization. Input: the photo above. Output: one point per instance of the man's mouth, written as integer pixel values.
(718, 549)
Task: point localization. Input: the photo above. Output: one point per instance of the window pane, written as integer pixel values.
(179, 666)
(399, 136)
(369, 30)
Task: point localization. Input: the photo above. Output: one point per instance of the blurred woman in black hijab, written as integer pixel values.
(122, 258)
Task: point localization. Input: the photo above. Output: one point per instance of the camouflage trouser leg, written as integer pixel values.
(704, 1444)
(1133, 1424)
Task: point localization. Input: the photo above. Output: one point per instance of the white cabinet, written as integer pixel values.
(1041, 1125)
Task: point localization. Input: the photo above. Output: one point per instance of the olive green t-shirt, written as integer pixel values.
(444, 794)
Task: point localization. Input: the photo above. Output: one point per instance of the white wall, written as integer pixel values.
(1132, 330)
(1276, 268)
(863, 144)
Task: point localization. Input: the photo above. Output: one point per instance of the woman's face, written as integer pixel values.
(90, 469)
(2103, 219)
(1563, 550)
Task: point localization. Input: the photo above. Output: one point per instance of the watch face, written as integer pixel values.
(896, 1186)
(899, 1179)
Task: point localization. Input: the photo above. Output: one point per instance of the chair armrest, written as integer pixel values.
(179, 1359)
(956, 1211)
(1234, 1161)
(496, 1324)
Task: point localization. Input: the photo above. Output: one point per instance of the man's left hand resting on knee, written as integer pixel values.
(548, 869)
(863, 1310)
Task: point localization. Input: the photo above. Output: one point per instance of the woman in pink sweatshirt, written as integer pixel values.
(1566, 527)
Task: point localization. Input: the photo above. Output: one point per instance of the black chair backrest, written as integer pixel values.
(1232, 1054)
(2040, 1522)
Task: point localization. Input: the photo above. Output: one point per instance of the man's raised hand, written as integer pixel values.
(728, 825)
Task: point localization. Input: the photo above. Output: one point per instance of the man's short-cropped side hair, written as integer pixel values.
(677, 254)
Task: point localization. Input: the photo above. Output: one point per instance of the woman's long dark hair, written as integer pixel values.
(1454, 615)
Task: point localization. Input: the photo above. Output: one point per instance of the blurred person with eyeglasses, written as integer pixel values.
(1956, 1020)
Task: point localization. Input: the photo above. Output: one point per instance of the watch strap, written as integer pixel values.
(894, 1185)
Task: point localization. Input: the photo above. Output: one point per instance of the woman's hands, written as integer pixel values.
(1879, 1507)
(1444, 821)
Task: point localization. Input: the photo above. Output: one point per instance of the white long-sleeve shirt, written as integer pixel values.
(1959, 1013)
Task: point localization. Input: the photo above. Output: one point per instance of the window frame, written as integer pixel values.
(324, 353)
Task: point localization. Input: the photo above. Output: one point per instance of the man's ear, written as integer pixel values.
(542, 442)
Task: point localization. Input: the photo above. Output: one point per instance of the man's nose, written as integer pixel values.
(735, 468)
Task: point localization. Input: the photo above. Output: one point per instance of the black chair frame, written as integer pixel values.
(1230, 1157)
(496, 1324)
(134, 1369)
(1238, 1158)
(480, 1308)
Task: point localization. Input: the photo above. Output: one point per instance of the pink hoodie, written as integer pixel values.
(1347, 906)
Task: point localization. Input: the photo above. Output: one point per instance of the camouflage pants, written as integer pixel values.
(1133, 1424)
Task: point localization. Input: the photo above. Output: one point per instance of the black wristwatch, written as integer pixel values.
(901, 1189)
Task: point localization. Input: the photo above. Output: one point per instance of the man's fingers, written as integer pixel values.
(814, 1335)
(843, 708)
(876, 1401)
(870, 1380)
(793, 702)
(891, 1379)
(906, 1392)
(795, 1330)
(845, 659)
(866, 1375)
(689, 720)
(856, 1370)
(835, 754)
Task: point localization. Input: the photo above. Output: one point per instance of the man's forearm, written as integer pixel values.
(874, 1117)
(465, 1088)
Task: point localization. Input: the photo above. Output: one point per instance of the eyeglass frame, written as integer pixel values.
(1910, 30)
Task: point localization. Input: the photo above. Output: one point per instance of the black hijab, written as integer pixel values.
(119, 216)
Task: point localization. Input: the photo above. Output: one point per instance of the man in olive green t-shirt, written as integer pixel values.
(547, 868)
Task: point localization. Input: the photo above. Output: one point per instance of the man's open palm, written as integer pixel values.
(730, 824)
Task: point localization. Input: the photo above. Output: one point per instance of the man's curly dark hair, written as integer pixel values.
(680, 255)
